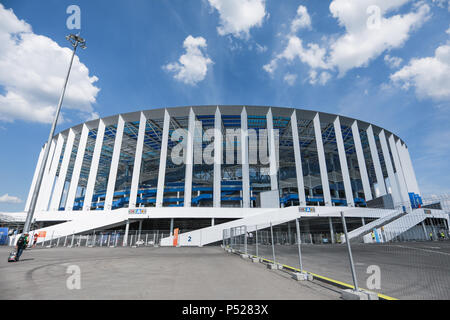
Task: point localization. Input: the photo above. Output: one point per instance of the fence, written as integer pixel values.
(404, 258)
(100, 239)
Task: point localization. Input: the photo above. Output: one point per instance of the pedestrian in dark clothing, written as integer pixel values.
(21, 245)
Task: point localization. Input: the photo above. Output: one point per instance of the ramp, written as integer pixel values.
(84, 223)
(402, 224)
(378, 223)
(215, 233)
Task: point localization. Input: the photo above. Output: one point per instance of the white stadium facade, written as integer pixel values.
(123, 170)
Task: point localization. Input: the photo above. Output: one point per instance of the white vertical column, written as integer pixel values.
(33, 182)
(298, 160)
(245, 160)
(43, 190)
(137, 161)
(114, 164)
(407, 160)
(396, 196)
(218, 154)
(405, 169)
(273, 164)
(189, 160)
(56, 199)
(400, 177)
(343, 163)
(376, 161)
(77, 168)
(163, 160)
(361, 162)
(94, 166)
(322, 161)
(52, 174)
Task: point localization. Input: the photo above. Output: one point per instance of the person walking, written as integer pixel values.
(21, 245)
(35, 239)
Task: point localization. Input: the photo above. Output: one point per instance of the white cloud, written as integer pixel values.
(290, 78)
(313, 55)
(302, 20)
(363, 42)
(237, 17)
(430, 76)
(260, 48)
(442, 3)
(193, 65)
(393, 62)
(316, 78)
(32, 72)
(448, 31)
(6, 198)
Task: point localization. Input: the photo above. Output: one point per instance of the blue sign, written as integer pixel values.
(307, 209)
(4, 236)
(137, 211)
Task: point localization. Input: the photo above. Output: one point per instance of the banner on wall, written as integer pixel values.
(42, 234)
(175, 237)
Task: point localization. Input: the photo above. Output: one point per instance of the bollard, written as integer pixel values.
(117, 239)
(57, 242)
(93, 241)
(109, 237)
(79, 241)
(146, 239)
(87, 240)
(65, 241)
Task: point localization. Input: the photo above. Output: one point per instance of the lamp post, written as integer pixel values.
(75, 41)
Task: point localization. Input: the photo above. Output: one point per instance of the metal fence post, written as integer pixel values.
(349, 248)
(273, 245)
(256, 231)
(73, 239)
(245, 239)
(299, 242)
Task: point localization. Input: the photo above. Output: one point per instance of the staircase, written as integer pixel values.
(378, 223)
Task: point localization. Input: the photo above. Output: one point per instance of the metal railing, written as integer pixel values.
(408, 258)
(105, 238)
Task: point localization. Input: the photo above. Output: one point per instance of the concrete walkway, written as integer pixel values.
(148, 273)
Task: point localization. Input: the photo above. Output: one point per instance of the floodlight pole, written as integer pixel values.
(76, 41)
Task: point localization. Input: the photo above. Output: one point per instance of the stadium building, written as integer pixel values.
(119, 170)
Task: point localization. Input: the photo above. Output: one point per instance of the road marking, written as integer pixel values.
(333, 281)
(428, 250)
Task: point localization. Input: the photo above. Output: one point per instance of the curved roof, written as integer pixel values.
(232, 110)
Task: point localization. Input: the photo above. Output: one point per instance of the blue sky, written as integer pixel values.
(321, 55)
